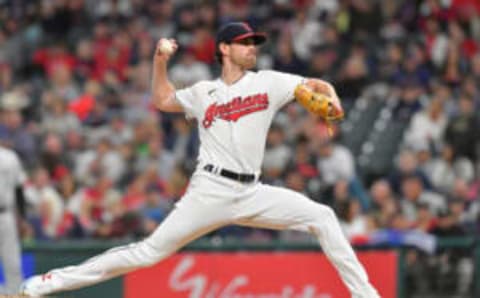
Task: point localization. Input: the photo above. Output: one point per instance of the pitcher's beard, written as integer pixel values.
(245, 62)
(249, 63)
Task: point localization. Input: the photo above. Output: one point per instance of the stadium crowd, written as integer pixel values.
(103, 163)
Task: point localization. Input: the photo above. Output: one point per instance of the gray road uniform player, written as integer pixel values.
(11, 177)
(234, 113)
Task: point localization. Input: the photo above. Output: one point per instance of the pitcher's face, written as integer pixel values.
(243, 53)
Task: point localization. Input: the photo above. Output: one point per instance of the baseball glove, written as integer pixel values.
(319, 104)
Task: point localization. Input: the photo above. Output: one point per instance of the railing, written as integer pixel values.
(71, 251)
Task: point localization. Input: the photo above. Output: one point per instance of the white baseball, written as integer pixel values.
(166, 46)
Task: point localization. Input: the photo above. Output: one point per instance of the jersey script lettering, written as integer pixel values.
(236, 108)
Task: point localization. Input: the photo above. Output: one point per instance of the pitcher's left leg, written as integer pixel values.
(280, 208)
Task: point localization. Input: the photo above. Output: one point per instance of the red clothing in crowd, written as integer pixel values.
(205, 51)
(82, 106)
(49, 59)
(109, 57)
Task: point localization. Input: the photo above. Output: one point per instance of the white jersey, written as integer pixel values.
(11, 176)
(233, 120)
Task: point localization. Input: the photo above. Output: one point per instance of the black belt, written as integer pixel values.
(244, 178)
(3, 209)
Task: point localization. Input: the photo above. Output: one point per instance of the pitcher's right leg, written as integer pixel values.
(189, 220)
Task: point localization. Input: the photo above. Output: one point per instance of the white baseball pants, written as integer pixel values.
(10, 254)
(210, 203)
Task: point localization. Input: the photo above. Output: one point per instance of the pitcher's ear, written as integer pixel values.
(223, 47)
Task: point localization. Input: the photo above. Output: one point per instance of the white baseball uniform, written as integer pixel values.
(11, 176)
(233, 122)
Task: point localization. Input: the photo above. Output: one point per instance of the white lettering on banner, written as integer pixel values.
(195, 284)
(199, 286)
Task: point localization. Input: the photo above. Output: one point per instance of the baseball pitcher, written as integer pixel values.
(233, 113)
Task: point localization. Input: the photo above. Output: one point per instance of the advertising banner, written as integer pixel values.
(256, 275)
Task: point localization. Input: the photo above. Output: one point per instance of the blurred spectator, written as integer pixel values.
(390, 61)
(202, 45)
(6, 77)
(56, 18)
(424, 156)
(14, 134)
(186, 23)
(353, 76)
(66, 184)
(295, 181)
(354, 224)
(475, 67)
(75, 145)
(142, 132)
(335, 162)
(406, 165)
(122, 8)
(99, 115)
(183, 142)
(52, 153)
(62, 83)
(303, 160)
(143, 47)
(426, 220)
(153, 211)
(156, 155)
(52, 57)
(293, 122)
(452, 73)
(14, 100)
(176, 184)
(470, 88)
(83, 105)
(415, 71)
(207, 15)
(188, 71)
(277, 154)
(11, 48)
(414, 195)
(466, 46)
(449, 167)
(384, 203)
(427, 125)
(408, 102)
(341, 192)
(85, 66)
(135, 195)
(161, 19)
(114, 57)
(136, 99)
(462, 130)
(442, 92)
(104, 161)
(468, 208)
(91, 204)
(118, 131)
(322, 63)
(365, 17)
(47, 202)
(285, 58)
(305, 34)
(57, 119)
(436, 42)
